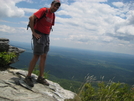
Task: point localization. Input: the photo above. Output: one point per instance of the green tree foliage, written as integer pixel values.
(110, 91)
(6, 58)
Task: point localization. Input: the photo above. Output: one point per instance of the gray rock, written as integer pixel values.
(13, 88)
(5, 47)
(15, 49)
(4, 44)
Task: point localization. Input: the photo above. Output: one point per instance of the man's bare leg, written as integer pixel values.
(41, 79)
(42, 64)
(32, 64)
(28, 80)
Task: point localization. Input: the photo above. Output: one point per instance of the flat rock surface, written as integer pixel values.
(13, 88)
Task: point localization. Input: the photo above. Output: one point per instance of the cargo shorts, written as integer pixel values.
(41, 45)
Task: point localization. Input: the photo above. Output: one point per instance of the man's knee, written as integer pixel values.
(36, 56)
(43, 56)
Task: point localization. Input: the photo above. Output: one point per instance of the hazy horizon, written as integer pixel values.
(28, 46)
(101, 25)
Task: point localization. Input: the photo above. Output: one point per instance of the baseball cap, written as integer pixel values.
(57, 2)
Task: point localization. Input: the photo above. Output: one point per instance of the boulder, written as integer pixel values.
(4, 44)
(13, 88)
(6, 47)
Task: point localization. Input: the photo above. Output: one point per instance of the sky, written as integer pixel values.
(100, 25)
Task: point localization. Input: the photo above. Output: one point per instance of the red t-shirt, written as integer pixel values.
(44, 24)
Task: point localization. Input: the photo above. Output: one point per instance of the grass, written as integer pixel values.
(91, 90)
(105, 91)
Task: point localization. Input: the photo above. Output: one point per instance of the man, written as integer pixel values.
(40, 31)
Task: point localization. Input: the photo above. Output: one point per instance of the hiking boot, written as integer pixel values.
(28, 81)
(42, 81)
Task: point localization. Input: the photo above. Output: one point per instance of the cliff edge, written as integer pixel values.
(13, 87)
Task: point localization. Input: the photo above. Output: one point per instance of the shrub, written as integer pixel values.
(93, 90)
(110, 91)
(6, 58)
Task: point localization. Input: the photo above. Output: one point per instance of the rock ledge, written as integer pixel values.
(12, 88)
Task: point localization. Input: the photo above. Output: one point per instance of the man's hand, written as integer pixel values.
(37, 35)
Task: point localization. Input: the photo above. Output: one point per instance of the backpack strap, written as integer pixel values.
(44, 15)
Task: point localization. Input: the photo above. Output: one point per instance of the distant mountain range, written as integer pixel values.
(74, 64)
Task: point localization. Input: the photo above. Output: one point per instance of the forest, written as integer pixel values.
(71, 66)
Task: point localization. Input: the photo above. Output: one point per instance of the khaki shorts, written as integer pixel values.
(41, 46)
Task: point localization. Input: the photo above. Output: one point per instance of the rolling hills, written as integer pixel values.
(75, 64)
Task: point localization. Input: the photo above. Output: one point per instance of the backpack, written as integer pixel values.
(44, 15)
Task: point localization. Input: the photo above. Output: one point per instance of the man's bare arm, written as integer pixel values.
(32, 19)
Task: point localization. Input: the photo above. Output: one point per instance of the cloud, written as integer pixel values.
(118, 4)
(9, 9)
(130, 17)
(19, 34)
(12, 30)
(8, 29)
(88, 24)
(97, 21)
(91, 1)
(28, 10)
